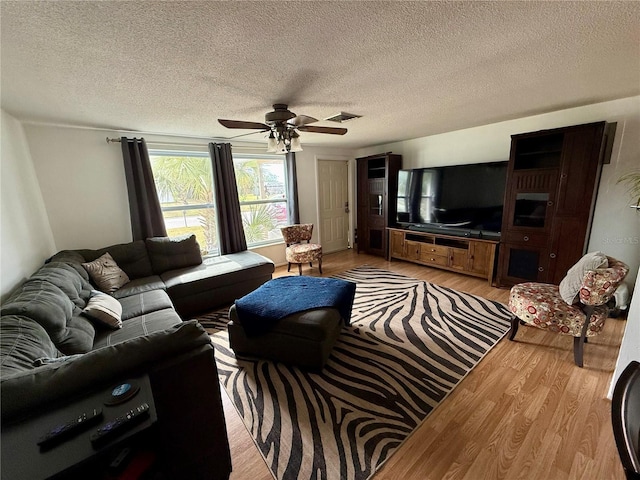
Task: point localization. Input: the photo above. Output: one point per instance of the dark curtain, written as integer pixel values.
(144, 205)
(232, 237)
(293, 212)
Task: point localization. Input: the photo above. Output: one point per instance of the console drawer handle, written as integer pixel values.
(540, 269)
(553, 255)
(526, 238)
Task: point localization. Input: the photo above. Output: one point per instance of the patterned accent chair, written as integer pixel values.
(541, 305)
(299, 252)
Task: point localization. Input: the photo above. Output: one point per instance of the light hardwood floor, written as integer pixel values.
(525, 412)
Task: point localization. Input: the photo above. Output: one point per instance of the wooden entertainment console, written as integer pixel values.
(470, 256)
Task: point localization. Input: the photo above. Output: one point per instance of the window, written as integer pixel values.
(263, 196)
(184, 181)
(185, 187)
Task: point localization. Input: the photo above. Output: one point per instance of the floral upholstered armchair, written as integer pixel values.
(299, 252)
(576, 307)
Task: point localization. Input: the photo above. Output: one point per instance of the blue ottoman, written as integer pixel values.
(294, 320)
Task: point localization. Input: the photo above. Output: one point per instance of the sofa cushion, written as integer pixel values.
(47, 305)
(216, 272)
(140, 326)
(217, 281)
(68, 279)
(167, 253)
(106, 273)
(71, 258)
(146, 302)
(571, 283)
(104, 309)
(131, 257)
(140, 285)
(22, 342)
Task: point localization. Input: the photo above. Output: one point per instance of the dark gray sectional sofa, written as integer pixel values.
(52, 354)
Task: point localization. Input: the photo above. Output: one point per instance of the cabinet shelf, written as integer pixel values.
(557, 151)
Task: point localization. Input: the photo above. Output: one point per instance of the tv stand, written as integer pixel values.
(470, 256)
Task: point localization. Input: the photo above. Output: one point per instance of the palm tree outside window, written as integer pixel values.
(185, 186)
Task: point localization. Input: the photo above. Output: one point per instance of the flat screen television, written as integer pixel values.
(459, 199)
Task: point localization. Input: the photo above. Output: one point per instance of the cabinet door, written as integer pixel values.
(580, 170)
(565, 253)
(481, 257)
(458, 259)
(520, 263)
(530, 200)
(412, 250)
(396, 248)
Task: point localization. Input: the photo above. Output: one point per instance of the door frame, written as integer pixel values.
(351, 164)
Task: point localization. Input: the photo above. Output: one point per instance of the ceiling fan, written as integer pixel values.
(283, 126)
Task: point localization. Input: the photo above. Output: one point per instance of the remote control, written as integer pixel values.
(65, 430)
(118, 463)
(119, 424)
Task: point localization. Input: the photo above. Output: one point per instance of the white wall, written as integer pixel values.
(26, 239)
(83, 185)
(616, 227)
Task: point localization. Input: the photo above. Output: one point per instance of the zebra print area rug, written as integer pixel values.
(409, 344)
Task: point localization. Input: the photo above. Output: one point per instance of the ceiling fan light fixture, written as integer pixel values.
(272, 144)
(295, 142)
(281, 147)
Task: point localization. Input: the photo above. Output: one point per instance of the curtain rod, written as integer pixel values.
(260, 147)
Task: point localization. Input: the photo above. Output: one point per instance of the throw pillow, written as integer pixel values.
(571, 283)
(106, 274)
(168, 253)
(104, 309)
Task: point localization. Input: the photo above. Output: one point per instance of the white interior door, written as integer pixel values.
(333, 202)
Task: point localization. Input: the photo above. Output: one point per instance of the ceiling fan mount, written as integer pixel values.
(280, 114)
(283, 125)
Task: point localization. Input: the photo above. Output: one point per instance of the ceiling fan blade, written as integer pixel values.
(330, 130)
(301, 120)
(244, 135)
(245, 125)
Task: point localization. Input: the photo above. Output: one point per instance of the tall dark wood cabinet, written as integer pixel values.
(377, 188)
(552, 183)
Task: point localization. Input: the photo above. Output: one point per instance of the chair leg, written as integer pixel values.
(515, 321)
(320, 265)
(299, 269)
(578, 342)
(578, 350)
(289, 267)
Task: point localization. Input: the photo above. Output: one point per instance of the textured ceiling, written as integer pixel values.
(411, 69)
